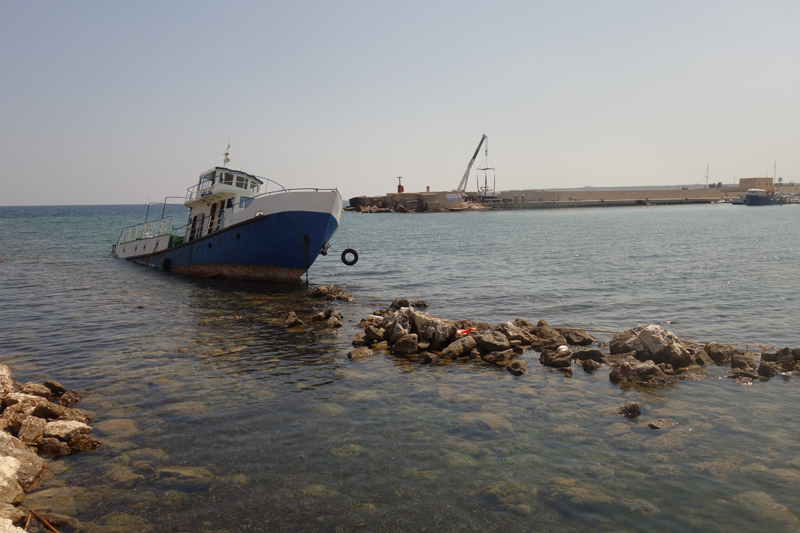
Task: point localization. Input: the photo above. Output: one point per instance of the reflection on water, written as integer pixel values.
(214, 417)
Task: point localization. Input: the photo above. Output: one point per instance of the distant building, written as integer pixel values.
(755, 183)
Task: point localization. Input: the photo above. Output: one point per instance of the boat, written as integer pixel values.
(739, 200)
(764, 197)
(240, 226)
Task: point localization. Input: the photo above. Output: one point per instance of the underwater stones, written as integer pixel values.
(630, 410)
(359, 353)
(292, 320)
(590, 365)
(460, 347)
(482, 420)
(518, 368)
(68, 399)
(407, 344)
(53, 447)
(662, 423)
(383, 345)
(329, 292)
(83, 443)
(558, 358)
(646, 372)
(718, 353)
(766, 506)
(694, 373)
(434, 330)
(575, 493)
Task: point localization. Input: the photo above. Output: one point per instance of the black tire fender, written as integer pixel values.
(166, 264)
(349, 262)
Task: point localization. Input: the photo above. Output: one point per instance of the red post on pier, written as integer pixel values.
(400, 187)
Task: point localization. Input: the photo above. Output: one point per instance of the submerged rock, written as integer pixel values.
(646, 372)
(518, 368)
(292, 320)
(630, 410)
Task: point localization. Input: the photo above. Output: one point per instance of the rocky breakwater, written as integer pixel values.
(646, 354)
(37, 420)
(410, 333)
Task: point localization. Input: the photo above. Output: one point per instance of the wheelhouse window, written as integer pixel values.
(228, 179)
(241, 182)
(253, 186)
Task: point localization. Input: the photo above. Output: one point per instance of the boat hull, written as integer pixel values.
(278, 247)
(764, 200)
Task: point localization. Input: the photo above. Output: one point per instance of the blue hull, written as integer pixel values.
(277, 247)
(763, 200)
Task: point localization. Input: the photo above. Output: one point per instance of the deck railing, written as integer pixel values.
(145, 230)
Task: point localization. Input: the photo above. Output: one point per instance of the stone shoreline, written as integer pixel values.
(645, 354)
(38, 421)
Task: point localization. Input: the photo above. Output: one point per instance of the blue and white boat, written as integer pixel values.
(240, 226)
(764, 197)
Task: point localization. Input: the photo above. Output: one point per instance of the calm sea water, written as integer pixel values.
(215, 418)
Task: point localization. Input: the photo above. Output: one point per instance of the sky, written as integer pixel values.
(128, 102)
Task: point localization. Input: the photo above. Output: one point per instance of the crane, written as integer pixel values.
(462, 187)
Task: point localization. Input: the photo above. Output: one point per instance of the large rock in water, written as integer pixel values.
(645, 372)
(559, 358)
(652, 343)
(407, 344)
(434, 330)
(398, 324)
(494, 341)
(576, 337)
(719, 353)
(460, 347)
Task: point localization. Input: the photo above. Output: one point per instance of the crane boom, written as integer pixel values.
(462, 187)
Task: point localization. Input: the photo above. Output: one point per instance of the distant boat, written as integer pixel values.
(238, 229)
(739, 200)
(764, 197)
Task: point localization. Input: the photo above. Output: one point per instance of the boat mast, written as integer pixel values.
(707, 175)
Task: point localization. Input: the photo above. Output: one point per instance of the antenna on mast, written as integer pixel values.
(707, 175)
(226, 154)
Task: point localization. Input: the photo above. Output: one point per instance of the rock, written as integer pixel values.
(590, 365)
(334, 322)
(327, 314)
(619, 358)
(35, 389)
(545, 333)
(10, 489)
(406, 344)
(56, 388)
(630, 410)
(434, 330)
(64, 430)
(32, 467)
(383, 345)
(29, 400)
(374, 333)
(694, 373)
(768, 369)
(54, 447)
(783, 359)
(743, 361)
(643, 372)
(360, 339)
(14, 514)
(68, 399)
(31, 429)
(517, 368)
(499, 357)
(15, 414)
(326, 291)
(718, 353)
(430, 357)
(6, 380)
(701, 357)
(576, 337)
(623, 342)
(515, 333)
(78, 415)
(482, 420)
(83, 443)
(662, 423)
(398, 324)
(460, 347)
(560, 358)
(360, 353)
(493, 341)
(477, 353)
(593, 354)
(292, 320)
(399, 303)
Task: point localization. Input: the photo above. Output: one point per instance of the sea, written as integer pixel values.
(214, 417)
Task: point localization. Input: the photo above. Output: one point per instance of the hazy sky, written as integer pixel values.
(125, 102)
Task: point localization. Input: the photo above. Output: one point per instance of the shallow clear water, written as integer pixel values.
(214, 418)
